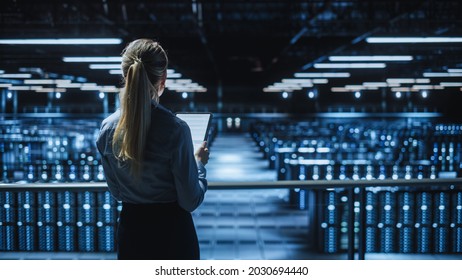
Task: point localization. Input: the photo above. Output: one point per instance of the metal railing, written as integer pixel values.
(351, 186)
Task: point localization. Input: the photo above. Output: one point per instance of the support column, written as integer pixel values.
(220, 104)
(15, 102)
(4, 92)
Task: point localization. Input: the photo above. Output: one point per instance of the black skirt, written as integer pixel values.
(161, 231)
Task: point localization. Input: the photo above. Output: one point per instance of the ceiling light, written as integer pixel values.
(375, 84)
(116, 72)
(69, 41)
(184, 95)
(451, 84)
(455, 70)
(441, 74)
(414, 40)
(174, 75)
(51, 90)
(18, 76)
(104, 66)
(424, 94)
(19, 88)
(285, 95)
(101, 95)
(355, 87)
(92, 59)
(349, 65)
(358, 94)
(372, 58)
(58, 95)
(320, 81)
(427, 87)
(400, 81)
(2, 71)
(297, 81)
(406, 89)
(322, 75)
(398, 94)
(45, 82)
(340, 89)
(271, 90)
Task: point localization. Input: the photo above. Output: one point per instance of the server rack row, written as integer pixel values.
(404, 221)
(53, 150)
(58, 221)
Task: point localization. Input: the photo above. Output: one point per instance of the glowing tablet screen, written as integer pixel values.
(198, 124)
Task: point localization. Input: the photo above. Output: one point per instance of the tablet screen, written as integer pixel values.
(198, 124)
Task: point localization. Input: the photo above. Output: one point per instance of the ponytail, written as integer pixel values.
(141, 87)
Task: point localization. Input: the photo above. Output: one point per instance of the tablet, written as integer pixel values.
(199, 124)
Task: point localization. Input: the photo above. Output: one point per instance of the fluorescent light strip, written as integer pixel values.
(92, 59)
(375, 84)
(16, 76)
(355, 87)
(268, 89)
(183, 81)
(340, 89)
(104, 66)
(297, 81)
(46, 82)
(174, 75)
(403, 89)
(400, 81)
(70, 41)
(70, 85)
(322, 75)
(51, 90)
(441, 74)
(320, 81)
(420, 87)
(414, 39)
(455, 70)
(372, 58)
(19, 88)
(349, 65)
(451, 84)
(116, 72)
(5, 85)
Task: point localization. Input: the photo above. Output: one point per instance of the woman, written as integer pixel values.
(149, 163)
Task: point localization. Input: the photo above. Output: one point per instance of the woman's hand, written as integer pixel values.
(202, 153)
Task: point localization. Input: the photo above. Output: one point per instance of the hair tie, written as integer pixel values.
(137, 59)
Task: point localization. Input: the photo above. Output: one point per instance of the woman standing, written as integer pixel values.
(149, 163)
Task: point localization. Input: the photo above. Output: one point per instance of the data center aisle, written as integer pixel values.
(247, 224)
(236, 157)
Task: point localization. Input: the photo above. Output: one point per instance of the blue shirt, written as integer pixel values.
(170, 171)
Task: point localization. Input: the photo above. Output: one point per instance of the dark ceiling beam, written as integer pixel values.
(359, 39)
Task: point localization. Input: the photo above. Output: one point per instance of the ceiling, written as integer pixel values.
(237, 48)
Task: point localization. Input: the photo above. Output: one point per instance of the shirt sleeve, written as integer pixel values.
(105, 151)
(189, 175)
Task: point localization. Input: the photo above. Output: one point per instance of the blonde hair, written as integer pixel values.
(144, 68)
